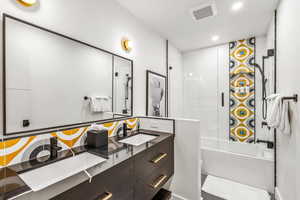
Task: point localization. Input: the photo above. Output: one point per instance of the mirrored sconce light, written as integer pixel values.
(126, 44)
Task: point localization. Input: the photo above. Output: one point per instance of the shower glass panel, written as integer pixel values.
(218, 88)
(200, 89)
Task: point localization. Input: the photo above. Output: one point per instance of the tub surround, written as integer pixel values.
(12, 185)
(245, 168)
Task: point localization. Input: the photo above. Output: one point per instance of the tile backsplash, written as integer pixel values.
(31, 147)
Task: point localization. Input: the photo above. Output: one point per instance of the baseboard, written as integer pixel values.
(277, 194)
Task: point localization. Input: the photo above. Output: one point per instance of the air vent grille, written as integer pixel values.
(203, 11)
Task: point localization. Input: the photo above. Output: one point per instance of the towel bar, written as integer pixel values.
(294, 98)
(87, 98)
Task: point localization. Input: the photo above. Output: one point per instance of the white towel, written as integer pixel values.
(274, 114)
(106, 104)
(100, 104)
(284, 125)
(278, 115)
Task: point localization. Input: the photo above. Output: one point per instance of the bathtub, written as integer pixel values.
(250, 164)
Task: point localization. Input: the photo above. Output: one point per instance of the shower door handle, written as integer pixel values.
(222, 99)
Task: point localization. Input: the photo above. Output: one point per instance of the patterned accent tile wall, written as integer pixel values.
(242, 90)
(28, 148)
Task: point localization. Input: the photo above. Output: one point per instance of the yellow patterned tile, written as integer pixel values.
(13, 148)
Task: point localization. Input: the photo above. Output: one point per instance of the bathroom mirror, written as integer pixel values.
(53, 81)
(122, 86)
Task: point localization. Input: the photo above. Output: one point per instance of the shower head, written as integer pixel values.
(128, 77)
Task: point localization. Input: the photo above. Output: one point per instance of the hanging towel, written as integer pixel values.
(284, 125)
(106, 104)
(274, 115)
(100, 104)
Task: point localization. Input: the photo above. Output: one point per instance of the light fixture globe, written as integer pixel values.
(27, 3)
(126, 45)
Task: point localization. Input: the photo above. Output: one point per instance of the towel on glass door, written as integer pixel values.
(284, 125)
(100, 104)
(278, 115)
(274, 114)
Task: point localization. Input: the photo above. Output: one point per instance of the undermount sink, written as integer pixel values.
(138, 140)
(43, 177)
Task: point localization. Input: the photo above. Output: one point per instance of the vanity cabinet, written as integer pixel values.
(114, 183)
(137, 178)
(153, 168)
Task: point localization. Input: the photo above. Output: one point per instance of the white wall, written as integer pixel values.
(101, 23)
(186, 182)
(206, 76)
(288, 157)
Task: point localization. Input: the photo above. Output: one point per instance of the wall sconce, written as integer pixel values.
(126, 45)
(27, 3)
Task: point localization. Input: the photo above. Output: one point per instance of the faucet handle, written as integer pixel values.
(53, 143)
(53, 140)
(126, 127)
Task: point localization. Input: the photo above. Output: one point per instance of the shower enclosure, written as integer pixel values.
(122, 82)
(225, 88)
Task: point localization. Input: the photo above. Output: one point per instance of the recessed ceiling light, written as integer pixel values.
(237, 6)
(215, 38)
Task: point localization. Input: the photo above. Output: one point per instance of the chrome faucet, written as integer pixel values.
(53, 147)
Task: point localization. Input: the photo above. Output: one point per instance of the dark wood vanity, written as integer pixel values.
(139, 177)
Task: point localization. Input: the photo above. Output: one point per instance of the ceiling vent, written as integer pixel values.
(204, 11)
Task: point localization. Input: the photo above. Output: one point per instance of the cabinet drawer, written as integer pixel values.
(153, 158)
(113, 184)
(147, 188)
(115, 195)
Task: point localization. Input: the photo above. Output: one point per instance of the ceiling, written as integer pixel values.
(172, 19)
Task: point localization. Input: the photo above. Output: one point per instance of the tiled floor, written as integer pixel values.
(207, 196)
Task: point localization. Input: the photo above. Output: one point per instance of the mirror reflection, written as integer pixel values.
(122, 86)
(54, 81)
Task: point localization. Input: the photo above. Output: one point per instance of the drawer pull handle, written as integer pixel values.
(107, 196)
(159, 158)
(158, 181)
